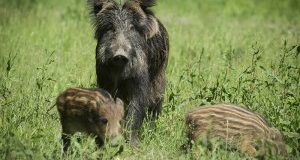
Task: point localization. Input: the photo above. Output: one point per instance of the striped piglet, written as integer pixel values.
(91, 111)
(236, 126)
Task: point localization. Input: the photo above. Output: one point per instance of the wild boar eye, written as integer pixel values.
(131, 27)
(107, 28)
(111, 28)
(103, 120)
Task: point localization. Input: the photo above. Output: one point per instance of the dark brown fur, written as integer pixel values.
(131, 56)
(91, 111)
(236, 126)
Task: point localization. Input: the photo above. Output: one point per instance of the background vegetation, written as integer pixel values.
(244, 52)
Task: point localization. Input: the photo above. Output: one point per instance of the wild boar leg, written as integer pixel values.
(66, 141)
(136, 109)
(135, 117)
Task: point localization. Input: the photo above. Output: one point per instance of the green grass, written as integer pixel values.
(243, 52)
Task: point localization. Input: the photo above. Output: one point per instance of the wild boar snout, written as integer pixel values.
(119, 60)
(120, 49)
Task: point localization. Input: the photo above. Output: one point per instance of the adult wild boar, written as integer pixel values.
(131, 56)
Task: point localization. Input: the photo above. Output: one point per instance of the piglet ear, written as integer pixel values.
(119, 102)
(275, 134)
(120, 105)
(97, 5)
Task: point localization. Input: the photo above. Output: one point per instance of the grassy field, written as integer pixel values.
(238, 51)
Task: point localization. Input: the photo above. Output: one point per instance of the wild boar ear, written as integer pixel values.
(97, 5)
(145, 20)
(146, 3)
(151, 27)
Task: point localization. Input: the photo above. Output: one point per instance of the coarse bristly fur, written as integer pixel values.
(131, 56)
(92, 111)
(236, 126)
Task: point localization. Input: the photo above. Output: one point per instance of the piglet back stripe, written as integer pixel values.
(242, 108)
(255, 116)
(249, 116)
(232, 122)
(95, 93)
(231, 113)
(80, 98)
(230, 110)
(230, 119)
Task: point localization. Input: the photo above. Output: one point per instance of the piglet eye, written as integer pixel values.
(103, 120)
